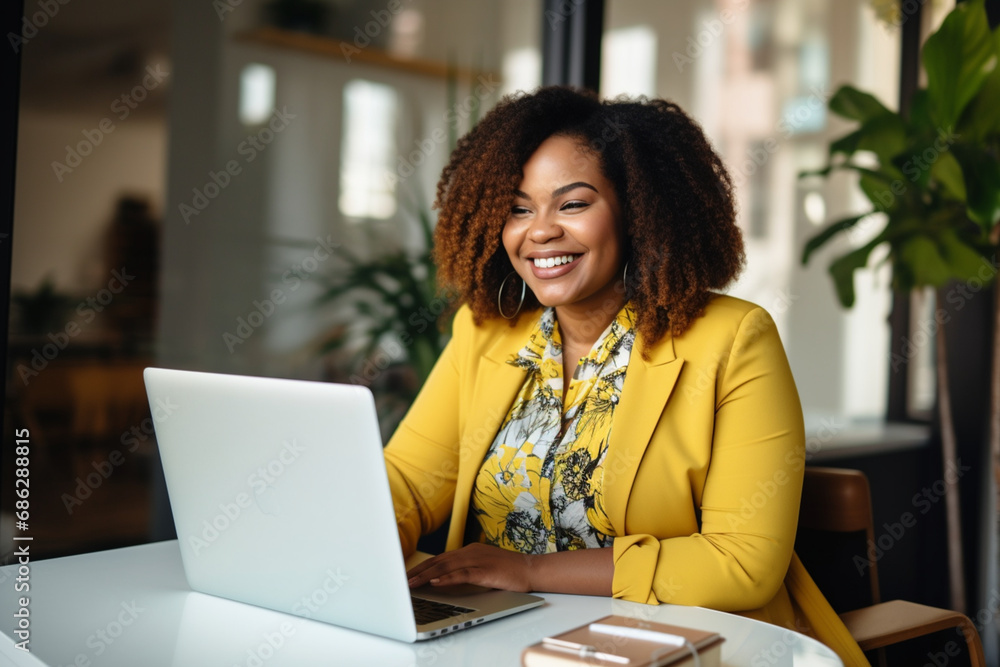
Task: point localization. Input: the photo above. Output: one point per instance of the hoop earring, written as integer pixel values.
(500, 295)
(625, 276)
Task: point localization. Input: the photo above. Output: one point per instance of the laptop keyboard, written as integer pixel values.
(429, 611)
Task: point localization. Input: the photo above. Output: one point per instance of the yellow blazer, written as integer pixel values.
(703, 473)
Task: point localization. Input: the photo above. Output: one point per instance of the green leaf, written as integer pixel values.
(920, 114)
(964, 260)
(824, 172)
(958, 58)
(917, 262)
(849, 102)
(917, 162)
(877, 185)
(831, 230)
(948, 173)
(885, 136)
(864, 171)
(981, 118)
(847, 144)
(842, 270)
(880, 191)
(981, 173)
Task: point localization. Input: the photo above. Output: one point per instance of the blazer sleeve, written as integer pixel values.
(423, 454)
(749, 502)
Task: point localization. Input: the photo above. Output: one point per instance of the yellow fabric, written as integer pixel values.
(703, 472)
(540, 489)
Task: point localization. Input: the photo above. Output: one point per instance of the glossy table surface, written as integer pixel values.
(133, 607)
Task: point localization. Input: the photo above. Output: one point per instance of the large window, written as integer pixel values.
(757, 75)
(368, 149)
(215, 157)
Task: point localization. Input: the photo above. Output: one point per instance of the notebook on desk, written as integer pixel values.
(280, 499)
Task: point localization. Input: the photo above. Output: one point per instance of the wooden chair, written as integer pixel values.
(839, 500)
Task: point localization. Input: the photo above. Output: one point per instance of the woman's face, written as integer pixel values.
(564, 234)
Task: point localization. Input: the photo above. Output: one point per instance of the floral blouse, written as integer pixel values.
(540, 486)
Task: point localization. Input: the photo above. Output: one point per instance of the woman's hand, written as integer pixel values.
(580, 572)
(479, 564)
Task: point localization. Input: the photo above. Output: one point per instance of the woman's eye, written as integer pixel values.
(518, 210)
(574, 204)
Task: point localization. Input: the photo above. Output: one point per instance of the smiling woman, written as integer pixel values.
(566, 243)
(602, 417)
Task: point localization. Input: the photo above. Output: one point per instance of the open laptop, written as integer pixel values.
(280, 498)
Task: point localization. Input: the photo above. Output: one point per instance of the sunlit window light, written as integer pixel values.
(256, 93)
(368, 148)
(629, 62)
(815, 208)
(522, 70)
(406, 33)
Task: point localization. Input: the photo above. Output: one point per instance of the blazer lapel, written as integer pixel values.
(495, 387)
(648, 386)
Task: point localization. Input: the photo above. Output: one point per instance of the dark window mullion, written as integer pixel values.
(897, 408)
(571, 42)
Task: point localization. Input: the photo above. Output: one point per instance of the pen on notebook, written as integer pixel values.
(582, 650)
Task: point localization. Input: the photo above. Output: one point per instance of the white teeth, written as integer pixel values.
(549, 262)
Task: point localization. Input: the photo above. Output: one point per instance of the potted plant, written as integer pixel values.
(932, 176)
(392, 314)
(394, 303)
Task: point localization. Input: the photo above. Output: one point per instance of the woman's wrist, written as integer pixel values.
(578, 572)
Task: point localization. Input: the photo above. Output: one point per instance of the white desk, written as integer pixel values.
(133, 608)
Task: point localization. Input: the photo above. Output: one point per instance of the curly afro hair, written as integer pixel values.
(676, 198)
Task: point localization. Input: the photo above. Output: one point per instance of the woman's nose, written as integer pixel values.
(544, 228)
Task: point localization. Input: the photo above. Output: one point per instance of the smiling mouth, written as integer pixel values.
(549, 262)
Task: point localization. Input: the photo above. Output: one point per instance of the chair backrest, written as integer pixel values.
(838, 500)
